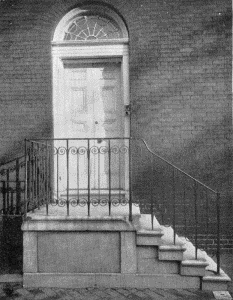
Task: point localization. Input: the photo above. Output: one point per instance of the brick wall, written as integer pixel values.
(209, 243)
(180, 80)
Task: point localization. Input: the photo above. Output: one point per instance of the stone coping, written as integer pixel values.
(77, 212)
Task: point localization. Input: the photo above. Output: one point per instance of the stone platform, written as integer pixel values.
(108, 251)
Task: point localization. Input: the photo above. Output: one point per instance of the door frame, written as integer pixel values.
(88, 52)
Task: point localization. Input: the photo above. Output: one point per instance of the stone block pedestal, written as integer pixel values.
(77, 248)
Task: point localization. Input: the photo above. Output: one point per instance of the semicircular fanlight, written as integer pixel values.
(85, 28)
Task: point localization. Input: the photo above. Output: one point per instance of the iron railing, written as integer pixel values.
(110, 172)
(78, 172)
(12, 181)
(175, 198)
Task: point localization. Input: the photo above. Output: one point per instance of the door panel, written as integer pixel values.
(78, 103)
(92, 107)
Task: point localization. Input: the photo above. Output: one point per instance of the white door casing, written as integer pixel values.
(96, 82)
(62, 75)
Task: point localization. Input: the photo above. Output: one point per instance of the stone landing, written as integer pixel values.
(78, 251)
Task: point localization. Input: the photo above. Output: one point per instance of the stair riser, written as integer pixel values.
(152, 266)
(148, 241)
(214, 286)
(192, 271)
(171, 255)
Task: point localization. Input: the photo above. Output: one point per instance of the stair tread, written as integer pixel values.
(179, 247)
(150, 233)
(195, 263)
(214, 277)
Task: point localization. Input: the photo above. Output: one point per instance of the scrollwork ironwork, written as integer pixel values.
(73, 150)
(94, 150)
(82, 150)
(103, 149)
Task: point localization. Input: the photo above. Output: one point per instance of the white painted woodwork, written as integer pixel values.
(93, 104)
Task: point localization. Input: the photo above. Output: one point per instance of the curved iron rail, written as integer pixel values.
(196, 181)
(178, 169)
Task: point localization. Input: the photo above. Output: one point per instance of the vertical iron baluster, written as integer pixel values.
(109, 177)
(12, 201)
(43, 176)
(18, 194)
(68, 182)
(174, 205)
(88, 177)
(78, 174)
(119, 172)
(7, 188)
(36, 176)
(162, 206)
(46, 180)
(57, 175)
(151, 191)
(50, 175)
(4, 196)
(33, 175)
(195, 216)
(218, 232)
(40, 176)
(29, 176)
(184, 203)
(99, 174)
(25, 179)
(207, 218)
(44, 173)
(130, 181)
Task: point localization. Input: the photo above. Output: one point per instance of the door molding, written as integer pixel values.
(108, 53)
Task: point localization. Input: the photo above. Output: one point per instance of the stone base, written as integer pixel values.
(107, 251)
(57, 245)
(68, 280)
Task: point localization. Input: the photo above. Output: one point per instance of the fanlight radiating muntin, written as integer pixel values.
(85, 28)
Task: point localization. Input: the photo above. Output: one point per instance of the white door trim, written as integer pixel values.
(107, 52)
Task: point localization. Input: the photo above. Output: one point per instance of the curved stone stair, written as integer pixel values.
(157, 255)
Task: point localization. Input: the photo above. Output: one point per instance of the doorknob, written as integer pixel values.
(96, 122)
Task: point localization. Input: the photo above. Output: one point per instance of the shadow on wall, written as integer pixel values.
(211, 164)
(16, 148)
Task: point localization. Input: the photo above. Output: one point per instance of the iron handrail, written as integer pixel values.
(195, 192)
(10, 161)
(178, 169)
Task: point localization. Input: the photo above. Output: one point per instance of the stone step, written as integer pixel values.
(148, 263)
(193, 268)
(149, 238)
(171, 252)
(109, 280)
(215, 282)
(4, 278)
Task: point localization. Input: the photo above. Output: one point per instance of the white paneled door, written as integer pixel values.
(90, 105)
(93, 100)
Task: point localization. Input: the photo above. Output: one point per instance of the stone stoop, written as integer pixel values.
(170, 260)
(193, 268)
(215, 282)
(149, 238)
(171, 252)
(109, 252)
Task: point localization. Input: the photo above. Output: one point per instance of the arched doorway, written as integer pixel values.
(91, 98)
(90, 74)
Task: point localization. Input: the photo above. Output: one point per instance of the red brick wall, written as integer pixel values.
(180, 79)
